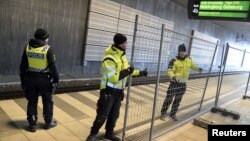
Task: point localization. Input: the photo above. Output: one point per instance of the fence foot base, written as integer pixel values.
(226, 112)
(202, 122)
(245, 97)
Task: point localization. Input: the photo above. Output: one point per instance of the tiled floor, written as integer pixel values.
(75, 113)
(190, 132)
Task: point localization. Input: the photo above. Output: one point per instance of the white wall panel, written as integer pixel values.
(107, 18)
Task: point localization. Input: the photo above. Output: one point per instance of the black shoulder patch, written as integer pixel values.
(108, 58)
(171, 63)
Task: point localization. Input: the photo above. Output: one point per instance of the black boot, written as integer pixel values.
(49, 125)
(32, 128)
(90, 138)
(111, 136)
(174, 117)
(32, 122)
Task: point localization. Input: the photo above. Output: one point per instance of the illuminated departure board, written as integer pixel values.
(219, 9)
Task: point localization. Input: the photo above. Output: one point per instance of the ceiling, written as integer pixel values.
(237, 27)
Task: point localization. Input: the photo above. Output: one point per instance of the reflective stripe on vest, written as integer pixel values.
(37, 58)
(108, 72)
(111, 85)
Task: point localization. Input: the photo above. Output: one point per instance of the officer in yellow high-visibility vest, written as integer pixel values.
(178, 71)
(39, 76)
(115, 69)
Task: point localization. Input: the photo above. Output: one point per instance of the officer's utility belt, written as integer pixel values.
(37, 74)
(177, 82)
(112, 91)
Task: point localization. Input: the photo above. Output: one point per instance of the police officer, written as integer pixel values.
(39, 76)
(115, 69)
(178, 72)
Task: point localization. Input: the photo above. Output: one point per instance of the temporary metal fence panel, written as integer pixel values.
(204, 60)
(141, 104)
(209, 93)
(228, 76)
(183, 99)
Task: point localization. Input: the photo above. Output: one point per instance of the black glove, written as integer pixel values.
(124, 73)
(54, 80)
(174, 79)
(53, 87)
(200, 70)
(122, 95)
(130, 70)
(143, 73)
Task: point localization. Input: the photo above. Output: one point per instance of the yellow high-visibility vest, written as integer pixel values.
(181, 69)
(113, 63)
(37, 58)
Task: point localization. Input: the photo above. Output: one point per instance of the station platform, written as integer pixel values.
(75, 112)
(10, 86)
(190, 132)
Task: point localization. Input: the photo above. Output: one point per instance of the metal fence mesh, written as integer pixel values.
(192, 96)
(142, 93)
(245, 63)
(234, 59)
(231, 61)
(145, 57)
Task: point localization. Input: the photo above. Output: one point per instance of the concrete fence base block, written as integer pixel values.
(226, 112)
(245, 97)
(202, 122)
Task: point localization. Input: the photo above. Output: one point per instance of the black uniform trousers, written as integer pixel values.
(38, 86)
(108, 107)
(175, 90)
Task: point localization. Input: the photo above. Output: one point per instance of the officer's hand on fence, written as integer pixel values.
(130, 70)
(144, 72)
(200, 70)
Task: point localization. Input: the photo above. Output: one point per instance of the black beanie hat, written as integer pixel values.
(182, 47)
(41, 34)
(119, 39)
